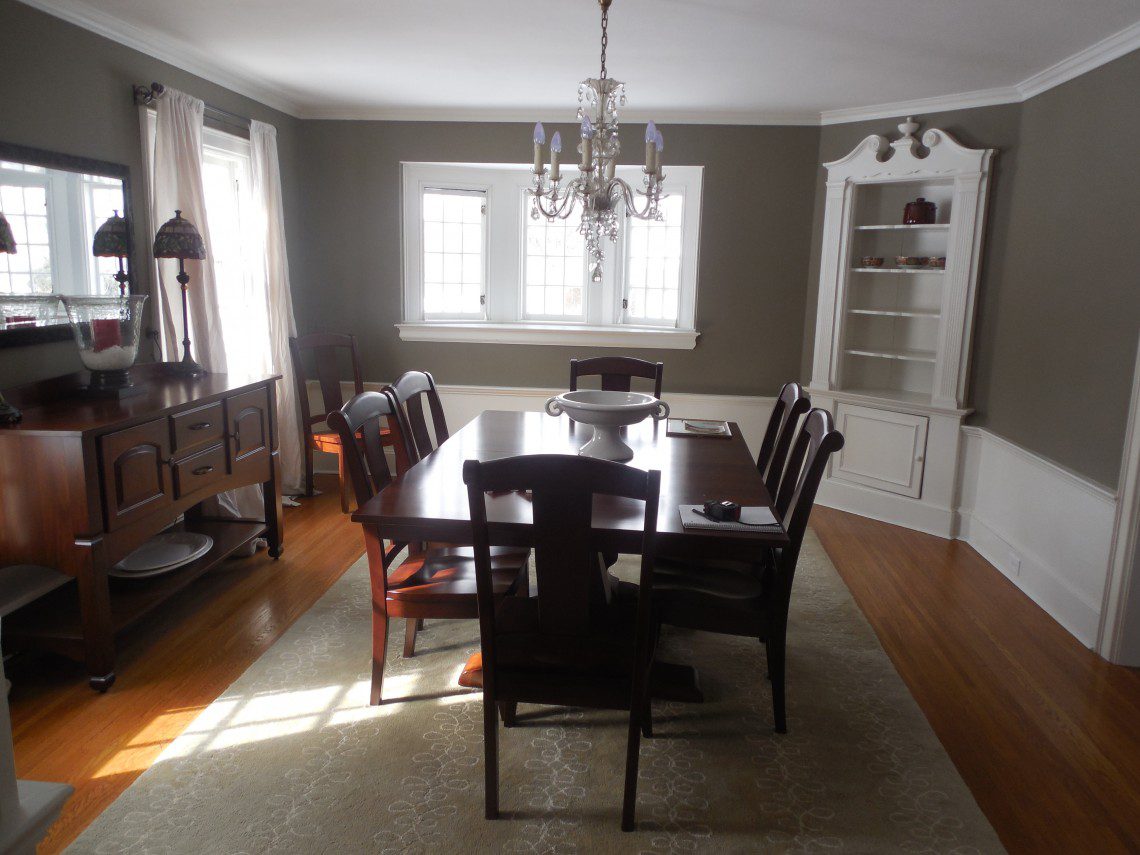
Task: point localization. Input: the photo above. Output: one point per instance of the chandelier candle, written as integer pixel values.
(602, 195)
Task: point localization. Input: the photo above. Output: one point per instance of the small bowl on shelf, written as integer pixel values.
(936, 262)
(871, 261)
(911, 260)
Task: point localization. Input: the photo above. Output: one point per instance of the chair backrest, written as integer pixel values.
(409, 392)
(816, 442)
(792, 403)
(359, 424)
(573, 597)
(329, 352)
(617, 372)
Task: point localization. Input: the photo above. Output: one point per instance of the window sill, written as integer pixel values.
(549, 334)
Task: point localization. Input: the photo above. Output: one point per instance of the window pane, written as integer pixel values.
(454, 252)
(555, 274)
(29, 271)
(653, 265)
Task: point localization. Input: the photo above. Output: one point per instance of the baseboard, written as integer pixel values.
(1043, 526)
(886, 507)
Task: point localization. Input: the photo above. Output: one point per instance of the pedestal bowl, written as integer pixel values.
(607, 413)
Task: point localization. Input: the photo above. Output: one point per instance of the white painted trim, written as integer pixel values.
(189, 59)
(555, 334)
(1083, 61)
(1051, 469)
(1118, 636)
(170, 50)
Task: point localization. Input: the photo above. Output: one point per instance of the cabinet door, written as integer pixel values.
(136, 475)
(881, 448)
(248, 419)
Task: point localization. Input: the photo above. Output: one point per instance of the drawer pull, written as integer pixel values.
(200, 426)
(203, 470)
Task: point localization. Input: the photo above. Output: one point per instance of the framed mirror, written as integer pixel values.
(54, 203)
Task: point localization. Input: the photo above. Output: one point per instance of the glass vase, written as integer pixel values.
(107, 331)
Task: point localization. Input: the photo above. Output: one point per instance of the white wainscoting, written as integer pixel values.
(1046, 528)
(463, 403)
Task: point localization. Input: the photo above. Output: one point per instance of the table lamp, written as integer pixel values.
(179, 239)
(9, 415)
(112, 240)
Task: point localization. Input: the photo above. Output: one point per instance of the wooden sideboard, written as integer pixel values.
(84, 481)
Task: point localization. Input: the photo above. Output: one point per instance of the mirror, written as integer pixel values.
(54, 203)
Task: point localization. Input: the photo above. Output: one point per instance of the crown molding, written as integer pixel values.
(180, 55)
(164, 49)
(528, 115)
(1094, 56)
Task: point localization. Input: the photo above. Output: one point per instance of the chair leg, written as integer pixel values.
(647, 719)
(632, 754)
(379, 649)
(343, 483)
(508, 709)
(490, 758)
(776, 675)
(309, 491)
(410, 627)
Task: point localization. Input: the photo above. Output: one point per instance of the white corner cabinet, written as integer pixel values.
(892, 343)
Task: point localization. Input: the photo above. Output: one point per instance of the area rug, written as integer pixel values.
(292, 759)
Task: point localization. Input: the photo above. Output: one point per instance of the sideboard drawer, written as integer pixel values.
(133, 463)
(198, 427)
(199, 470)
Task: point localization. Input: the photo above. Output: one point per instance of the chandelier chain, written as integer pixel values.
(605, 36)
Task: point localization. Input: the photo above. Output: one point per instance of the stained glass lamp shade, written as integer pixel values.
(112, 240)
(178, 238)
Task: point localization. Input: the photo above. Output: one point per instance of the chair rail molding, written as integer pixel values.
(1118, 636)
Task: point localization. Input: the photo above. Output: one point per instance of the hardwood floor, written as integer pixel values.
(1046, 734)
(171, 666)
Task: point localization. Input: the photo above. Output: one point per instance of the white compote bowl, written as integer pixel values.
(607, 412)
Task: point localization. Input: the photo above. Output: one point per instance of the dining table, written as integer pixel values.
(429, 503)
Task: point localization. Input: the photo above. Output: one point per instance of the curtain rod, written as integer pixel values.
(147, 95)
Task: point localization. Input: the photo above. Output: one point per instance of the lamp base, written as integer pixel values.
(188, 367)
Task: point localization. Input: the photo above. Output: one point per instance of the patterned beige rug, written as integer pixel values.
(291, 759)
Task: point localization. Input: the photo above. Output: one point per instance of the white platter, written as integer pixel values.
(163, 553)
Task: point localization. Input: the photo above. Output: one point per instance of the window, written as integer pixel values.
(479, 268)
(54, 215)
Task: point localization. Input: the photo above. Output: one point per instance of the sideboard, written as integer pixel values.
(86, 480)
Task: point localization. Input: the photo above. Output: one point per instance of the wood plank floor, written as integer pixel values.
(1046, 734)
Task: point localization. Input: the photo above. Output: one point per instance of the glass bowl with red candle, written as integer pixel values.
(107, 330)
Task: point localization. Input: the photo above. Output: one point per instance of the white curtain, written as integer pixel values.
(177, 185)
(267, 201)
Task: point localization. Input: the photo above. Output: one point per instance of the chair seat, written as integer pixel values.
(439, 576)
(729, 580)
(330, 441)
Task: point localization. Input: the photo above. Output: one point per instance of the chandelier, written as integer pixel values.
(601, 194)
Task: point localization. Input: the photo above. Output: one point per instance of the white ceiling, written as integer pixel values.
(752, 61)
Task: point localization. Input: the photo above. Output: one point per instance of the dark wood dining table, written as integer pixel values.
(429, 503)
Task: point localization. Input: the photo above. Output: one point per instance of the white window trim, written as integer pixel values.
(503, 184)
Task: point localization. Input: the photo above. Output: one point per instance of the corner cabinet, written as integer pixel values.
(892, 342)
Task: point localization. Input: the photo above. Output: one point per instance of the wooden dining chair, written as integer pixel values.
(329, 352)
(617, 372)
(585, 639)
(430, 582)
(736, 598)
(410, 392)
(792, 403)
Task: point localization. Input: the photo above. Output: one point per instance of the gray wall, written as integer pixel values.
(753, 260)
(1059, 294)
(68, 90)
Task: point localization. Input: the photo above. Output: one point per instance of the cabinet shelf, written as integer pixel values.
(886, 353)
(920, 227)
(896, 313)
(911, 270)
